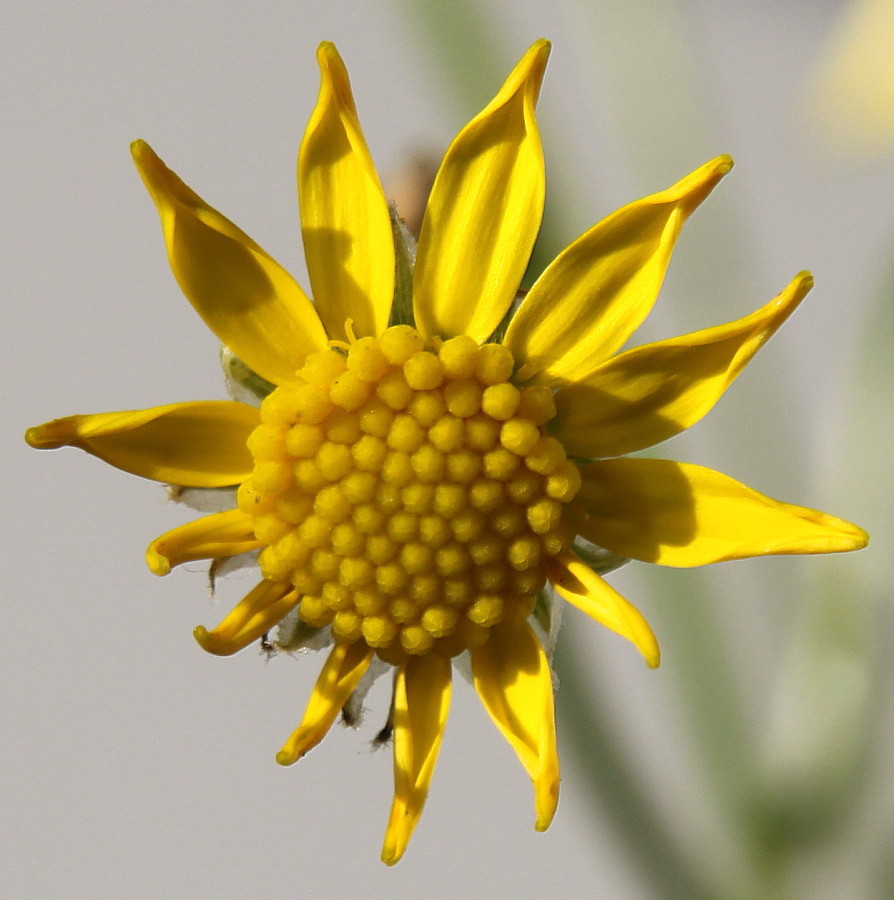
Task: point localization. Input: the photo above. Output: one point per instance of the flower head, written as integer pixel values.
(418, 472)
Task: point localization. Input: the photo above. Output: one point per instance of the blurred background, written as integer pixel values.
(756, 762)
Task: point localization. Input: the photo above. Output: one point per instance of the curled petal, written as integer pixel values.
(421, 704)
(344, 214)
(484, 212)
(582, 587)
(677, 514)
(211, 537)
(189, 444)
(245, 297)
(513, 679)
(259, 611)
(593, 296)
(653, 392)
(341, 674)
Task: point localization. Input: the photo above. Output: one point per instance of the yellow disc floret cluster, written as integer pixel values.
(409, 491)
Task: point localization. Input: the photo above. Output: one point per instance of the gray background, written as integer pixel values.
(136, 765)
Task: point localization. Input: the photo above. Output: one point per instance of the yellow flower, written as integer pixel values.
(410, 488)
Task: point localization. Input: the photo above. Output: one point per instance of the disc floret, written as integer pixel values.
(410, 491)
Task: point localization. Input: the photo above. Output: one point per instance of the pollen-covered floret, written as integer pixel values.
(409, 491)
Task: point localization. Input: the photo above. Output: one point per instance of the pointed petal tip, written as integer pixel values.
(334, 75)
(213, 643)
(692, 190)
(546, 800)
(158, 564)
(64, 432)
(840, 535)
(140, 148)
(525, 79)
(533, 64)
(157, 177)
(723, 164)
(146, 159)
(391, 853)
(540, 49)
(853, 537)
(326, 53)
(297, 746)
(803, 282)
(200, 633)
(284, 758)
(696, 187)
(397, 835)
(648, 646)
(332, 66)
(45, 437)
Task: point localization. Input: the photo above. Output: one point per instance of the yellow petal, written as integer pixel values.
(653, 392)
(421, 704)
(582, 587)
(211, 537)
(593, 296)
(484, 212)
(513, 680)
(341, 674)
(677, 514)
(246, 298)
(253, 616)
(344, 214)
(190, 444)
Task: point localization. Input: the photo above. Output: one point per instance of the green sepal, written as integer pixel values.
(404, 260)
(543, 610)
(293, 634)
(239, 376)
(601, 561)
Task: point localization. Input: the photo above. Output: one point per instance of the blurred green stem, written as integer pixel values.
(615, 788)
(831, 705)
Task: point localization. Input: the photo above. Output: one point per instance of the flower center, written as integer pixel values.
(409, 491)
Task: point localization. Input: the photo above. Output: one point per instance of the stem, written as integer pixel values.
(613, 784)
